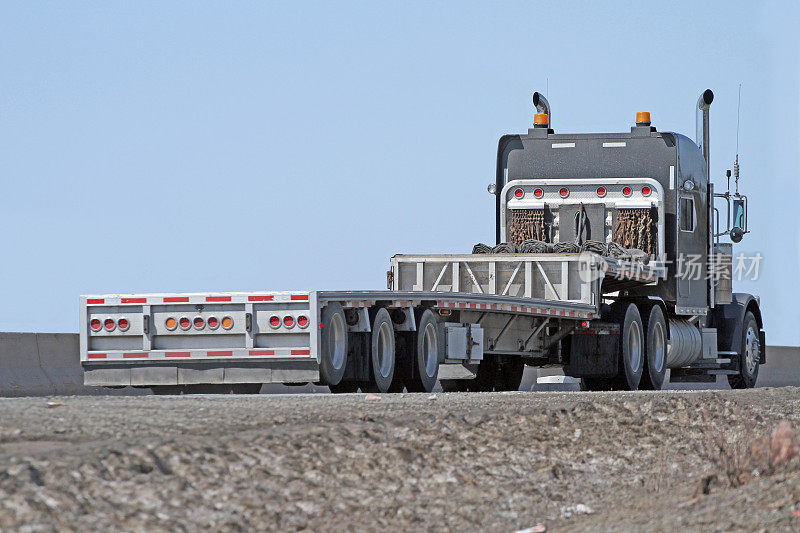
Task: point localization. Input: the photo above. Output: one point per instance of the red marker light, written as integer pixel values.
(109, 324)
(626, 191)
(274, 321)
(288, 321)
(95, 324)
(646, 190)
(185, 323)
(601, 191)
(199, 323)
(302, 321)
(519, 193)
(564, 192)
(538, 193)
(213, 322)
(123, 324)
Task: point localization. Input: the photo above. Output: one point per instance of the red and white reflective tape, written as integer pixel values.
(360, 303)
(200, 354)
(515, 309)
(197, 299)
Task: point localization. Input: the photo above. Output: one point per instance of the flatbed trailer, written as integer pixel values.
(242, 340)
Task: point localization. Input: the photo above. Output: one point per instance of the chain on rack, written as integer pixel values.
(527, 224)
(634, 229)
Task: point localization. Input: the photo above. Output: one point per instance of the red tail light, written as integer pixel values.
(199, 323)
(288, 321)
(185, 323)
(626, 191)
(213, 322)
(275, 321)
(564, 192)
(109, 324)
(95, 324)
(123, 324)
(538, 193)
(519, 193)
(646, 190)
(302, 321)
(601, 191)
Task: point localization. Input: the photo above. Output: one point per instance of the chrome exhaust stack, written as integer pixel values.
(703, 105)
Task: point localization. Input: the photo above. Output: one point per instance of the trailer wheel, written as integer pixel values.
(333, 357)
(750, 355)
(382, 350)
(631, 350)
(656, 351)
(425, 354)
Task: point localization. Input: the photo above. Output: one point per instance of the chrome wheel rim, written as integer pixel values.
(659, 347)
(635, 346)
(752, 350)
(430, 350)
(337, 341)
(385, 349)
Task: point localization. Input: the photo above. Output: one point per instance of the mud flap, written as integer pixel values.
(594, 353)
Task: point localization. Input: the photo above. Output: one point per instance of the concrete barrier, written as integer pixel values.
(45, 364)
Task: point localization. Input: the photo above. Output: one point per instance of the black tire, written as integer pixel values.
(165, 390)
(749, 355)
(454, 385)
(631, 350)
(509, 375)
(655, 369)
(382, 350)
(344, 387)
(246, 388)
(334, 345)
(425, 354)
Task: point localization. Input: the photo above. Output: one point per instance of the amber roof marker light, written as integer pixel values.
(643, 118)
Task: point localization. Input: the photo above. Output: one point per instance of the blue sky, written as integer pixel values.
(191, 146)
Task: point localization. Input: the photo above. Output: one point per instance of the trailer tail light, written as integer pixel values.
(109, 324)
(288, 321)
(213, 322)
(171, 324)
(601, 192)
(185, 323)
(626, 191)
(227, 322)
(646, 191)
(564, 192)
(199, 323)
(275, 321)
(519, 193)
(302, 321)
(95, 324)
(123, 324)
(538, 193)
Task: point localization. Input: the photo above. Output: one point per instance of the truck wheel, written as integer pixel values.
(425, 355)
(749, 356)
(656, 351)
(509, 375)
(382, 350)
(631, 350)
(333, 357)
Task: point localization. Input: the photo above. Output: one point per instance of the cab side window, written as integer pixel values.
(687, 214)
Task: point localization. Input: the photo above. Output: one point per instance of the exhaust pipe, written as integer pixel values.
(542, 106)
(703, 105)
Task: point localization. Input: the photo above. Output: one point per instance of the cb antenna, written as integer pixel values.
(736, 163)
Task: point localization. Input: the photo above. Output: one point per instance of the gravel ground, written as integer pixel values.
(460, 461)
